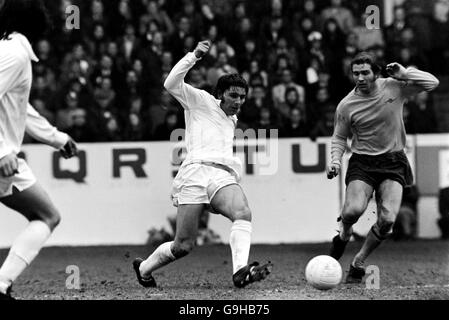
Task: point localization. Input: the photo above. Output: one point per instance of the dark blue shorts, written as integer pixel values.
(376, 169)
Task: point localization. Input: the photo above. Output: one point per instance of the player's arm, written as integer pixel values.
(415, 81)
(40, 129)
(175, 84)
(338, 144)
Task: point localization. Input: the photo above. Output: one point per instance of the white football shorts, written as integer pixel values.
(22, 180)
(198, 183)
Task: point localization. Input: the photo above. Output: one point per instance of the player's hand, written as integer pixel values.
(396, 70)
(9, 165)
(332, 171)
(202, 49)
(69, 150)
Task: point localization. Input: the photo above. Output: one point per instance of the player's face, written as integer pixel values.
(233, 99)
(364, 77)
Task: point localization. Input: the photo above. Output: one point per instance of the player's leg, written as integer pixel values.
(190, 196)
(232, 203)
(389, 198)
(404, 226)
(358, 194)
(185, 238)
(36, 206)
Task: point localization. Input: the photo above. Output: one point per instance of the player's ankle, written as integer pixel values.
(144, 273)
(346, 236)
(146, 277)
(358, 263)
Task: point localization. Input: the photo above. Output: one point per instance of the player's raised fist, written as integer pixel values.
(202, 48)
(396, 70)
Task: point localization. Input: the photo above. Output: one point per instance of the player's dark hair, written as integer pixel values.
(28, 17)
(228, 81)
(368, 58)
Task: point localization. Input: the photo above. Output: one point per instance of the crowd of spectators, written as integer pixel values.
(104, 81)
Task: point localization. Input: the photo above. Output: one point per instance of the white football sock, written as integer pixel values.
(160, 258)
(24, 250)
(240, 241)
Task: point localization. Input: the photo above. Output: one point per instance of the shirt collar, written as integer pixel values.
(234, 118)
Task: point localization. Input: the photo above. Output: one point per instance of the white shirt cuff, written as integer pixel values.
(60, 140)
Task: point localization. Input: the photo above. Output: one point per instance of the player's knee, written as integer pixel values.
(182, 248)
(387, 219)
(352, 213)
(243, 213)
(52, 220)
(386, 225)
(388, 211)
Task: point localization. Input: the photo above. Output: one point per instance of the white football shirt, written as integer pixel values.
(16, 114)
(209, 131)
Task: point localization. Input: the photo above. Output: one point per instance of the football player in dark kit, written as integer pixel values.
(371, 115)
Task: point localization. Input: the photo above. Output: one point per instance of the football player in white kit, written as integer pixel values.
(210, 174)
(22, 22)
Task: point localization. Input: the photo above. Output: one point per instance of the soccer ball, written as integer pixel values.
(324, 272)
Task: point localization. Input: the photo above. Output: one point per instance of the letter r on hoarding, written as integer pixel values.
(139, 158)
